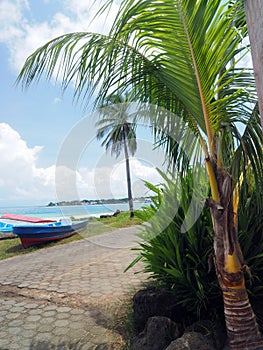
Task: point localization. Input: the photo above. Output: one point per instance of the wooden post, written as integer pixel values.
(254, 17)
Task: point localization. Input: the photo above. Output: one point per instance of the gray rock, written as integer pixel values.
(157, 335)
(155, 302)
(214, 331)
(191, 341)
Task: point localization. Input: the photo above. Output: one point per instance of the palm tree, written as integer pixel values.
(119, 134)
(182, 55)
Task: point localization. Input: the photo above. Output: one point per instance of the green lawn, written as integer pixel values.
(13, 247)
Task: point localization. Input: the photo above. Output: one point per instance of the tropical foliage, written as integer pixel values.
(178, 259)
(185, 56)
(181, 261)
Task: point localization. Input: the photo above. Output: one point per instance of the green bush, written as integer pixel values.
(182, 261)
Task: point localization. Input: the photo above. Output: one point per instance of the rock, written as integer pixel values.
(157, 335)
(105, 216)
(191, 341)
(155, 302)
(214, 331)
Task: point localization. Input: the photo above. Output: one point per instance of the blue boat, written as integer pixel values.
(4, 227)
(33, 234)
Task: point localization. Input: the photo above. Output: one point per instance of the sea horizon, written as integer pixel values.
(76, 211)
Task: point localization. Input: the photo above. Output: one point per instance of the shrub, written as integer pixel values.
(182, 260)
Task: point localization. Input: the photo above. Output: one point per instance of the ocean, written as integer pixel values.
(76, 211)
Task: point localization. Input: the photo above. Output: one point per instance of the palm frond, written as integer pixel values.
(89, 61)
(176, 54)
(190, 43)
(161, 58)
(247, 161)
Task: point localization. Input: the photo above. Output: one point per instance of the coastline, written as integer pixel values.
(74, 211)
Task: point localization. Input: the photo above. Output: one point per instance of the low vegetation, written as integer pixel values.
(123, 220)
(182, 261)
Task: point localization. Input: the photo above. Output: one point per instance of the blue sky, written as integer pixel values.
(35, 123)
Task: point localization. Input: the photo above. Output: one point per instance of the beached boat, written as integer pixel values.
(5, 227)
(33, 234)
(6, 231)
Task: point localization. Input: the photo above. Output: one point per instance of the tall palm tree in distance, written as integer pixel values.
(182, 55)
(118, 134)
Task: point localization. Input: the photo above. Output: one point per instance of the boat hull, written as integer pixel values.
(4, 227)
(38, 234)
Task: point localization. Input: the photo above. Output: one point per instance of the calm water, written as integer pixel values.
(74, 210)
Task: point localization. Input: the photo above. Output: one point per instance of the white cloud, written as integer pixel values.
(13, 149)
(110, 181)
(22, 181)
(22, 34)
(84, 12)
(20, 178)
(57, 100)
(10, 12)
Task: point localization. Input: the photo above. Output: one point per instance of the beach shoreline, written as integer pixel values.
(74, 211)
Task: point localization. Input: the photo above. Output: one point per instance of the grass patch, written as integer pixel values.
(122, 220)
(13, 247)
(122, 321)
(126, 326)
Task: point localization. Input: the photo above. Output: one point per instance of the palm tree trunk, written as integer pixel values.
(240, 320)
(128, 175)
(242, 329)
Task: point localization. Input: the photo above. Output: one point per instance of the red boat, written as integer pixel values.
(33, 234)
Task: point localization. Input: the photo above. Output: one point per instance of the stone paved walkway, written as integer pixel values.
(63, 297)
